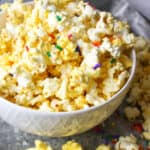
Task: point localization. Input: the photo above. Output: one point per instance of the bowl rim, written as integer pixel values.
(93, 108)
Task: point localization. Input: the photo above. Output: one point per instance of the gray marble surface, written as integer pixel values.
(117, 124)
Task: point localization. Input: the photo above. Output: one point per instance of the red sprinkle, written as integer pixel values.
(27, 48)
(141, 147)
(114, 141)
(138, 127)
(96, 43)
(97, 129)
(51, 35)
(69, 36)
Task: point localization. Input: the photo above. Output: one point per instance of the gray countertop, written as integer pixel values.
(116, 125)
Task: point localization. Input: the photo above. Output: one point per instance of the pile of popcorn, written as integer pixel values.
(124, 143)
(62, 56)
(139, 95)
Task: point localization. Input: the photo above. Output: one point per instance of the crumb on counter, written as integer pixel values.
(39, 145)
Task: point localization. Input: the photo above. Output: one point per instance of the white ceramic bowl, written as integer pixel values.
(57, 124)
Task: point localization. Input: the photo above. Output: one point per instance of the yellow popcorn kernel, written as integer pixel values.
(39, 145)
(62, 41)
(46, 13)
(103, 147)
(76, 90)
(80, 102)
(126, 61)
(146, 135)
(70, 47)
(117, 41)
(72, 145)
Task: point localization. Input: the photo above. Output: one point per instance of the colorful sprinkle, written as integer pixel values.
(96, 43)
(77, 49)
(97, 129)
(58, 18)
(27, 48)
(141, 147)
(97, 66)
(51, 35)
(69, 36)
(48, 54)
(59, 47)
(137, 127)
(113, 60)
(114, 141)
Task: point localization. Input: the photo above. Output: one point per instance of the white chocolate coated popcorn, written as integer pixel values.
(53, 55)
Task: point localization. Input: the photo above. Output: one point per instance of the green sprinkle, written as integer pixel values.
(58, 18)
(113, 60)
(48, 54)
(59, 47)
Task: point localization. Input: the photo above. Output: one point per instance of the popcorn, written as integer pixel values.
(93, 34)
(103, 147)
(62, 91)
(3, 73)
(127, 143)
(139, 94)
(71, 145)
(42, 67)
(50, 86)
(131, 112)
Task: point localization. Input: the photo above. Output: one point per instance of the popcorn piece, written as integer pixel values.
(62, 92)
(39, 145)
(103, 147)
(50, 86)
(127, 143)
(93, 34)
(146, 135)
(45, 106)
(72, 145)
(132, 112)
